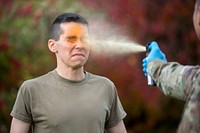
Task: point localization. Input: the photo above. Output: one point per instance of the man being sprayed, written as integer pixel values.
(179, 81)
(68, 99)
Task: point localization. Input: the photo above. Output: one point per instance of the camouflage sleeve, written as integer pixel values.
(174, 79)
(181, 82)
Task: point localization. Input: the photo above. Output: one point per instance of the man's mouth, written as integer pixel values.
(78, 54)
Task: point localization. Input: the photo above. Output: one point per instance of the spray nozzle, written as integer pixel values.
(147, 48)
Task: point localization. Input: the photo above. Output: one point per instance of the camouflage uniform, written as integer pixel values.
(182, 82)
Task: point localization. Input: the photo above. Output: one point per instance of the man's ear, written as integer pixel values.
(52, 45)
(198, 13)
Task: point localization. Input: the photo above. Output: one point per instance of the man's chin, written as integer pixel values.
(78, 65)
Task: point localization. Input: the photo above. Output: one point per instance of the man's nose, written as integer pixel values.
(79, 44)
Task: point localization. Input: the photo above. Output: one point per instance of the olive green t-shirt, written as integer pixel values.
(53, 104)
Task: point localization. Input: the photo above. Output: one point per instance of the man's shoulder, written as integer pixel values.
(100, 79)
(38, 80)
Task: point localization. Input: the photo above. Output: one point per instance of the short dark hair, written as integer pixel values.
(66, 17)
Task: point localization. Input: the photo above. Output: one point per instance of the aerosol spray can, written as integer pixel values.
(149, 79)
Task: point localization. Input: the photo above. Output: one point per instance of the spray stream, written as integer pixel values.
(109, 40)
(111, 47)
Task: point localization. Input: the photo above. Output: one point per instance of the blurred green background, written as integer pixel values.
(24, 31)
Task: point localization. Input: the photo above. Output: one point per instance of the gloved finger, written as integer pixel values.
(153, 45)
(147, 60)
(144, 65)
(145, 71)
(144, 60)
(145, 74)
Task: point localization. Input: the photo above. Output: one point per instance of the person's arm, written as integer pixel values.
(119, 128)
(172, 78)
(18, 126)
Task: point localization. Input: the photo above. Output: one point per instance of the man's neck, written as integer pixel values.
(71, 74)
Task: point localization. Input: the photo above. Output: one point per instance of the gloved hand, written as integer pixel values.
(154, 53)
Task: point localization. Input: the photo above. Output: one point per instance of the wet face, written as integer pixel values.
(72, 49)
(196, 20)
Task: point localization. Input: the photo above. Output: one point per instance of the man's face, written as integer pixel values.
(72, 47)
(196, 20)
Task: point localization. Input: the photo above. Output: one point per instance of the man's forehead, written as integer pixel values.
(73, 25)
(74, 28)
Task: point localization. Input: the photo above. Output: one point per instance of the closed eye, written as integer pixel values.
(71, 39)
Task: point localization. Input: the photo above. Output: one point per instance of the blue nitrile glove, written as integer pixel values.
(154, 53)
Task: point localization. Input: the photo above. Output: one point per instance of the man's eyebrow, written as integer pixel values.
(70, 37)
